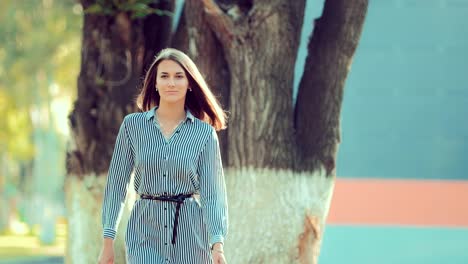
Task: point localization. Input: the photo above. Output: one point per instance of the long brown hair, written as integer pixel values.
(200, 101)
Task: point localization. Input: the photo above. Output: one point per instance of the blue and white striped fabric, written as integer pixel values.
(188, 162)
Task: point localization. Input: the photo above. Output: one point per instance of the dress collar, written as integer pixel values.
(151, 112)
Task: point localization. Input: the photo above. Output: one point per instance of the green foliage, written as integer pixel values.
(136, 8)
(40, 49)
(16, 127)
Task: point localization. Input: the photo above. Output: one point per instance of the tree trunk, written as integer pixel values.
(206, 51)
(317, 114)
(260, 42)
(279, 193)
(116, 50)
(330, 52)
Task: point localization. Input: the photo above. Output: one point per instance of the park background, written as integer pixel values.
(402, 188)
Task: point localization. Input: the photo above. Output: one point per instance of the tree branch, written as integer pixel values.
(219, 22)
(330, 52)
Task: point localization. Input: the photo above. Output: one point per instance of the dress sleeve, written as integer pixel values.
(118, 179)
(213, 190)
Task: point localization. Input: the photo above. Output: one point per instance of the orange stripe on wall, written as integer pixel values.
(400, 202)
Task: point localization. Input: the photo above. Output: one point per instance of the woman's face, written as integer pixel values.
(171, 81)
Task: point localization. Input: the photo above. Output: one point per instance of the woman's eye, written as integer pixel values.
(180, 77)
(164, 76)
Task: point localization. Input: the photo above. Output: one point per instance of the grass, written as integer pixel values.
(28, 246)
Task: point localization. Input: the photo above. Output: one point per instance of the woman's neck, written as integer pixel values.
(171, 112)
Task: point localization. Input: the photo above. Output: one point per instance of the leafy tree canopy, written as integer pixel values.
(39, 61)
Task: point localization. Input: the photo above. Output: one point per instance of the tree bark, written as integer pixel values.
(116, 50)
(330, 52)
(203, 47)
(260, 41)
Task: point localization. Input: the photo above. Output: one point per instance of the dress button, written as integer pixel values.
(165, 208)
(164, 175)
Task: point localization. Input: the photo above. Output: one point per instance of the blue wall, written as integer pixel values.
(405, 109)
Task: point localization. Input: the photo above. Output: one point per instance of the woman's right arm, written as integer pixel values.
(118, 179)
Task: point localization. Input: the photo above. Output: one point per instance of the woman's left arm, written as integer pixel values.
(213, 196)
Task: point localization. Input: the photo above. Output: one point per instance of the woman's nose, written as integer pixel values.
(171, 82)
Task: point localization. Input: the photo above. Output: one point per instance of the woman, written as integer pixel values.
(181, 215)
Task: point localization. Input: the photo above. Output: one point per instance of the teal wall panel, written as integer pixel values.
(405, 108)
(394, 244)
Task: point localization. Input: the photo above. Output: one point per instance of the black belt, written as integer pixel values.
(179, 199)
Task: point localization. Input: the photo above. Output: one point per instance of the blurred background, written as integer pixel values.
(39, 64)
(402, 189)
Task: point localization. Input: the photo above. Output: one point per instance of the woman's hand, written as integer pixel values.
(107, 252)
(217, 254)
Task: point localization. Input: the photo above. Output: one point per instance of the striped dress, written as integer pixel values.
(188, 162)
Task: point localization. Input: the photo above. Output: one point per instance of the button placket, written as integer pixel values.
(166, 157)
